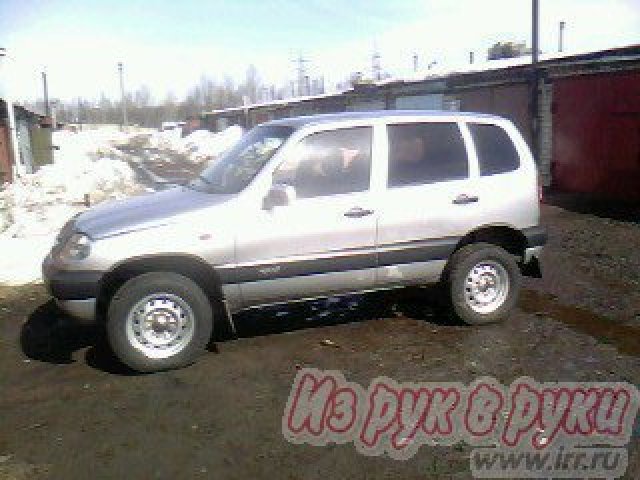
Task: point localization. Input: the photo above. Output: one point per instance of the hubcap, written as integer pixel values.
(160, 325)
(486, 286)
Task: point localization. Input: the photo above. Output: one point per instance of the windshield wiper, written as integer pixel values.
(211, 187)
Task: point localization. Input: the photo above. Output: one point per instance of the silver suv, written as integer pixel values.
(305, 208)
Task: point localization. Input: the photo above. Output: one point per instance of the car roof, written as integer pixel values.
(319, 119)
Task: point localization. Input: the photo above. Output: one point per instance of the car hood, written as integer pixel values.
(144, 211)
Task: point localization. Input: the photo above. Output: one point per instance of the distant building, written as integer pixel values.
(171, 125)
(25, 136)
(27, 146)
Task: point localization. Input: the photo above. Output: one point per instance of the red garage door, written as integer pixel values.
(596, 135)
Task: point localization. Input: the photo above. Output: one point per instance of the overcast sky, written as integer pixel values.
(169, 44)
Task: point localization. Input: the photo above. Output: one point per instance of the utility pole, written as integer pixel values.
(123, 97)
(561, 37)
(245, 103)
(301, 73)
(415, 62)
(307, 85)
(535, 17)
(471, 58)
(46, 94)
(54, 113)
(375, 64)
(535, 12)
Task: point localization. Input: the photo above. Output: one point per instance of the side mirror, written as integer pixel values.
(279, 195)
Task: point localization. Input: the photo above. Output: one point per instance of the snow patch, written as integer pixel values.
(199, 146)
(35, 206)
(87, 164)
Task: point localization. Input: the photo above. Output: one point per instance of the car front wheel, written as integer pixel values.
(159, 321)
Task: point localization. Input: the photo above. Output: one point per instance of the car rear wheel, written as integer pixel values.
(159, 321)
(483, 283)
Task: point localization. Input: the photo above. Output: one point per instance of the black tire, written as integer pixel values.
(136, 289)
(458, 269)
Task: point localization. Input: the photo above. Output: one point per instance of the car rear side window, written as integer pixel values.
(422, 153)
(496, 152)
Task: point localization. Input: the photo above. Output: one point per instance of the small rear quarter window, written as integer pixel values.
(496, 152)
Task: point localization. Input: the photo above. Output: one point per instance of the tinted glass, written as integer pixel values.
(422, 153)
(496, 152)
(329, 163)
(236, 168)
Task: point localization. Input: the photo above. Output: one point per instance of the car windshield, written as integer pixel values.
(232, 172)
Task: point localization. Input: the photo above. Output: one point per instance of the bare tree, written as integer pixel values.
(206, 94)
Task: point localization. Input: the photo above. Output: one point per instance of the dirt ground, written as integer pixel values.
(68, 410)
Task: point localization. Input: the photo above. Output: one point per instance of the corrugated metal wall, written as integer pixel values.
(589, 130)
(433, 101)
(509, 101)
(596, 134)
(366, 105)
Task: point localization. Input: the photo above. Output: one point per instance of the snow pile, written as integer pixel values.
(204, 145)
(87, 165)
(35, 206)
(92, 142)
(166, 140)
(199, 146)
(40, 203)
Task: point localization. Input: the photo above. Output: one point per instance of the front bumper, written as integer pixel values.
(83, 311)
(75, 291)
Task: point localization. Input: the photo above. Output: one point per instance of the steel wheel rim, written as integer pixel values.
(160, 325)
(486, 286)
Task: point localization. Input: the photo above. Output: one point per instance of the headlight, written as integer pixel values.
(77, 247)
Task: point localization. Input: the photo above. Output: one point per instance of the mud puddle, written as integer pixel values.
(625, 338)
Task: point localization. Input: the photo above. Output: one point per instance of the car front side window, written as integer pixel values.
(329, 163)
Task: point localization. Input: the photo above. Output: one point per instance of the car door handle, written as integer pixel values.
(464, 199)
(357, 212)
